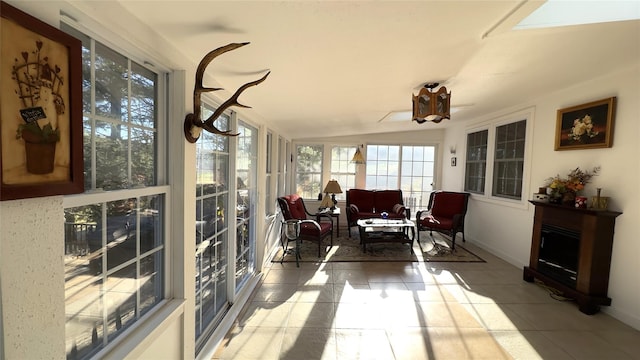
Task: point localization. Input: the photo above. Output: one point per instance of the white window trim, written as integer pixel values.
(527, 114)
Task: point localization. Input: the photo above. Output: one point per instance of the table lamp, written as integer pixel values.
(333, 188)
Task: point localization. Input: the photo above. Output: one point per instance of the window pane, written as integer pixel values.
(212, 216)
(247, 160)
(342, 169)
(309, 170)
(143, 147)
(143, 96)
(112, 156)
(509, 160)
(475, 166)
(111, 71)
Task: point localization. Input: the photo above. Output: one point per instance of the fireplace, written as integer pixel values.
(558, 254)
(571, 252)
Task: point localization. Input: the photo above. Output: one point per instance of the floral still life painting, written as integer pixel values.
(586, 126)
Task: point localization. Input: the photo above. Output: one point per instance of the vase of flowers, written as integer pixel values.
(563, 190)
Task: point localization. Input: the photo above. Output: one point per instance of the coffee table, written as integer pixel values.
(386, 230)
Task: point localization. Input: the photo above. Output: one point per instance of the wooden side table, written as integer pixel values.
(335, 213)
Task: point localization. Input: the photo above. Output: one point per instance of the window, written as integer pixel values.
(309, 170)
(476, 162)
(269, 205)
(409, 168)
(508, 162)
(281, 157)
(342, 169)
(416, 180)
(496, 160)
(212, 228)
(383, 167)
(115, 239)
(247, 172)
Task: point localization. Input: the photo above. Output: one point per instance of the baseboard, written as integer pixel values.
(494, 251)
(624, 317)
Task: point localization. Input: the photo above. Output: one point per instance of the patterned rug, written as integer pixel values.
(349, 249)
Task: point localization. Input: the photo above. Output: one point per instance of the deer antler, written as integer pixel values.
(193, 124)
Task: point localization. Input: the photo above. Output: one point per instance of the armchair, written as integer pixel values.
(445, 214)
(293, 208)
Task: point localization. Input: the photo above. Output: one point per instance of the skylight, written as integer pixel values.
(574, 12)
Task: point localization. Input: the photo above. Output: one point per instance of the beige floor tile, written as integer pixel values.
(315, 277)
(585, 345)
(447, 314)
(269, 314)
(352, 293)
(457, 343)
(362, 344)
(308, 343)
(627, 341)
(276, 292)
(338, 266)
(429, 292)
(282, 276)
(529, 345)
(495, 317)
(411, 344)
(358, 316)
(556, 316)
(417, 275)
(317, 315)
(315, 293)
(350, 276)
(513, 293)
(252, 343)
(390, 292)
(384, 275)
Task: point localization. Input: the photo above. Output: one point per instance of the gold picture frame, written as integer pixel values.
(586, 126)
(40, 108)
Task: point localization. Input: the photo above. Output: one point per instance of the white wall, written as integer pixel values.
(506, 230)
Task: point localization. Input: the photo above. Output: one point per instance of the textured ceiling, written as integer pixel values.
(340, 67)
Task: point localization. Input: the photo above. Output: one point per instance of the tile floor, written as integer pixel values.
(418, 311)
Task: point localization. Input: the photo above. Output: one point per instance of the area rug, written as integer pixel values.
(345, 249)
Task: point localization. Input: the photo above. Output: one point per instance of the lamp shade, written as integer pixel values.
(357, 157)
(332, 188)
(326, 202)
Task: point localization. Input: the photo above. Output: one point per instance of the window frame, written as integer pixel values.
(528, 115)
(160, 188)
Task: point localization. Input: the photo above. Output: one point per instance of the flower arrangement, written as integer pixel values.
(582, 127)
(574, 182)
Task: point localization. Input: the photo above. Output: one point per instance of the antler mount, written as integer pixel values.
(193, 123)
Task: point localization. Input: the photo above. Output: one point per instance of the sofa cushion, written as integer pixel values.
(440, 223)
(363, 198)
(310, 229)
(296, 207)
(448, 204)
(386, 199)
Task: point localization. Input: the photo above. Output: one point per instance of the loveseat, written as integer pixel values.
(367, 204)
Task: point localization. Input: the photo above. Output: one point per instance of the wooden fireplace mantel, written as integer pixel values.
(595, 228)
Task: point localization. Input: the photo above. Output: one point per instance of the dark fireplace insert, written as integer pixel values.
(559, 254)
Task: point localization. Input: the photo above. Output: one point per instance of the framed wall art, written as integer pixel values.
(40, 108)
(586, 126)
